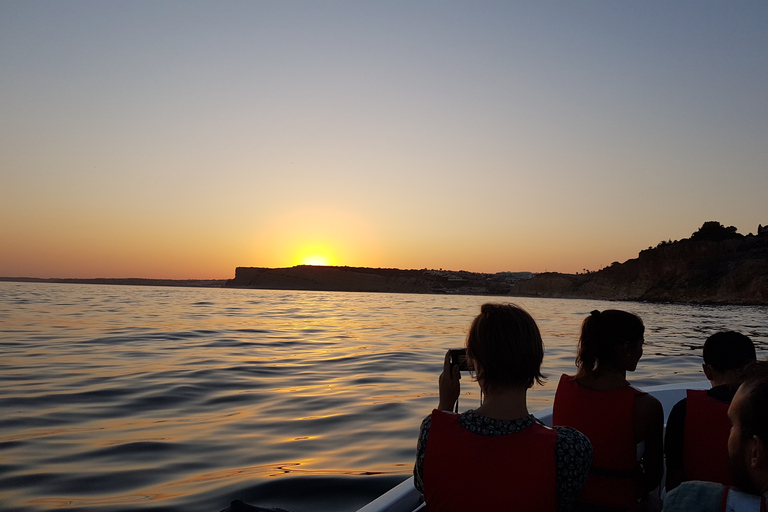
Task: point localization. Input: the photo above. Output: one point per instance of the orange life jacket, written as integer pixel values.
(705, 439)
(466, 471)
(607, 419)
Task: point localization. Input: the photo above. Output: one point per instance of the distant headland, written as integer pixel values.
(388, 280)
(716, 265)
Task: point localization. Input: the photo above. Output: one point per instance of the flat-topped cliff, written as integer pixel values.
(362, 279)
(715, 266)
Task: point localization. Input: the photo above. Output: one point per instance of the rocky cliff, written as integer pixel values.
(362, 279)
(715, 266)
(307, 277)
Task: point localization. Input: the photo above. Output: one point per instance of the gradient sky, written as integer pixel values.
(180, 139)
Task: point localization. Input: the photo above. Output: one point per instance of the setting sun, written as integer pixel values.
(314, 253)
(315, 260)
(316, 235)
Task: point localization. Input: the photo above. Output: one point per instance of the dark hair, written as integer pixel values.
(753, 413)
(505, 342)
(728, 351)
(601, 333)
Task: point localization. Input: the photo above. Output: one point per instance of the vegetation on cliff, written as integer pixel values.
(716, 265)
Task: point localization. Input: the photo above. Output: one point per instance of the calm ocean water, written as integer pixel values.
(183, 399)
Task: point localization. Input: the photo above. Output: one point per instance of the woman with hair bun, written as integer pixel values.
(599, 402)
(498, 456)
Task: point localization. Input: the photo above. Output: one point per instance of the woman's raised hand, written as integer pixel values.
(448, 384)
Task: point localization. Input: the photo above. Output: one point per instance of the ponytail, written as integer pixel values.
(586, 359)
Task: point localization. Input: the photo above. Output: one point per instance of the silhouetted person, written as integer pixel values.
(747, 453)
(696, 441)
(616, 417)
(498, 457)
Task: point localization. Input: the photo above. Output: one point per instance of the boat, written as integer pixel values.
(405, 498)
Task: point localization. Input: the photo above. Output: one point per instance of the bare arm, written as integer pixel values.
(649, 428)
(673, 445)
(449, 388)
(449, 385)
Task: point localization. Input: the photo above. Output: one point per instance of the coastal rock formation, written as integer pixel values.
(341, 279)
(361, 279)
(716, 265)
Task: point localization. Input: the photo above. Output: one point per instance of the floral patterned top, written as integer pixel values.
(573, 451)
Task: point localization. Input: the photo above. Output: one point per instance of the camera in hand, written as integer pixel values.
(459, 357)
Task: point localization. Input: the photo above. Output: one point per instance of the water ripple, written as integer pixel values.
(142, 398)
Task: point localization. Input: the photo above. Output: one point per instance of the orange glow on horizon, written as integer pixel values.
(315, 235)
(314, 253)
(316, 260)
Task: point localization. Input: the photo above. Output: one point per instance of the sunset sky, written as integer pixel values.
(180, 139)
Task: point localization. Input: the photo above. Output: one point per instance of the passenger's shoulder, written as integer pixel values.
(573, 450)
(649, 404)
(700, 496)
(571, 436)
(680, 403)
(426, 423)
(678, 412)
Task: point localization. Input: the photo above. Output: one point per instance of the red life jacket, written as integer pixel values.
(705, 441)
(607, 419)
(466, 471)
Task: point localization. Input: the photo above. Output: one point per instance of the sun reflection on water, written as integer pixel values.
(167, 395)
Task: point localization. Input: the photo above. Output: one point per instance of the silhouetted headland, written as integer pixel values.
(388, 280)
(716, 265)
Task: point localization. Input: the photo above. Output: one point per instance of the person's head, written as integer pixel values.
(610, 339)
(505, 347)
(748, 441)
(725, 354)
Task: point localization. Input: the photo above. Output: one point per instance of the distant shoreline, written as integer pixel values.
(328, 278)
(716, 265)
(132, 281)
(376, 280)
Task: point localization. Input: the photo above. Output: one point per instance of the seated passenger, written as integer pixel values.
(616, 417)
(498, 456)
(747, 454)
(696, 441)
